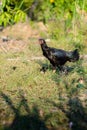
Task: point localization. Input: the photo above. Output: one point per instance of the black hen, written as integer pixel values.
(58, 57)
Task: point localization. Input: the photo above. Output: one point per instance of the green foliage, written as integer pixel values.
(19, 16)
(40, 10)
(58, 8)
(5, 18)
(13, 11)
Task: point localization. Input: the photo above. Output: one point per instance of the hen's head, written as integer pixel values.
(41, 41)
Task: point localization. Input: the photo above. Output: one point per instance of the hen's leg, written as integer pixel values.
(54, 68)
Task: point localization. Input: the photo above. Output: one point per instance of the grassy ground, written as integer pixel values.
(31, 100)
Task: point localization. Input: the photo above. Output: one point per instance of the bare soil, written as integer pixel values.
(16, 37)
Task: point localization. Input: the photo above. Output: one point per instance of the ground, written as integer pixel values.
(31, 100)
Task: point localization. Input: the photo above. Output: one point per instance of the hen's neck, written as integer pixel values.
(44, 46)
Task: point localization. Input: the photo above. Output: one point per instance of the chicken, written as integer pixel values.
(58, 57)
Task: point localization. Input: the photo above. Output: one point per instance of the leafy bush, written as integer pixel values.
(13, 11)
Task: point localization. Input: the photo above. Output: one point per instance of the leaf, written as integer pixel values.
(3, 3)
(21, 4)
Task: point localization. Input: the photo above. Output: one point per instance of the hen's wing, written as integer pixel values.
(57, 53)
(57, 56)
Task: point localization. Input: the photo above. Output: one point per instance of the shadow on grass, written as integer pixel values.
(30, 121)
(75, 113)
(59, 70)
(64, 70)
(43, 66)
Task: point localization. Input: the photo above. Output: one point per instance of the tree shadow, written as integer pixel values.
(31, 121)
(75, 112)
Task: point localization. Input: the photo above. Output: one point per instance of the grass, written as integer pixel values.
(26, 94)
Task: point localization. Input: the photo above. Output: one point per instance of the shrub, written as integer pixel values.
(13, 11)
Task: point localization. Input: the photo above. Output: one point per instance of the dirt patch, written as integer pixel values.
(14, 45)
(24, 30)
(17, 36)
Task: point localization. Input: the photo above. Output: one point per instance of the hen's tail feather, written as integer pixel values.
(74, 56)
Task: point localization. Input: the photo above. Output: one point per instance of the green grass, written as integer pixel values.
(27, 94)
